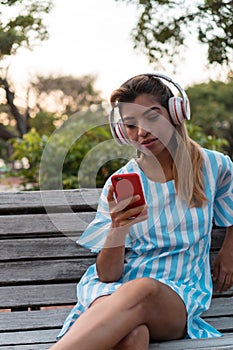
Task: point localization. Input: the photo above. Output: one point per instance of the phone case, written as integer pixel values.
(126, 186)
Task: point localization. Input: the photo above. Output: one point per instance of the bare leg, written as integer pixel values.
(143, 301)
(137, 339)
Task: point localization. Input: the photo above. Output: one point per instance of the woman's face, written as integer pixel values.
(147, 124)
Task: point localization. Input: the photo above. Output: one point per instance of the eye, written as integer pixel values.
(130, 126)
(153, 117)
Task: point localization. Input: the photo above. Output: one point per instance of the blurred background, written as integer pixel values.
(60, 61)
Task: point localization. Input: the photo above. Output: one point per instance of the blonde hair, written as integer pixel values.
(187, 155)
(189, 179)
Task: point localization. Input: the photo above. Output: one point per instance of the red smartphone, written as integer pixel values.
(126, 186)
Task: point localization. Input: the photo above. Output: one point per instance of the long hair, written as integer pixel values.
(189, 180)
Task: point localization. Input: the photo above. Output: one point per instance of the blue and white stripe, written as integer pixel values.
(172, 246)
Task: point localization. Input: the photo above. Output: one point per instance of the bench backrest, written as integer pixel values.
(40, 262)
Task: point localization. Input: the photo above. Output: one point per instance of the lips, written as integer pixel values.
(149, 142)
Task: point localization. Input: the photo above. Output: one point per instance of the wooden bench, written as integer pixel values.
(40, 264)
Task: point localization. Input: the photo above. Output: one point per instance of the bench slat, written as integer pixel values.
(39, 295)
(48, 336)
(52, 271)
(220, 307)
(44, 346)
(223, 324)
(42, 223)
(13, 249)
(53, 318)
(30, 337)
(33, 320)
(81, 199)
(224, 342)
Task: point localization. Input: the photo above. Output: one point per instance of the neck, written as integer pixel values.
(157, 168)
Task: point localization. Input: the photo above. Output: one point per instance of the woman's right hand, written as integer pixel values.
(123, 217)
(110, 260)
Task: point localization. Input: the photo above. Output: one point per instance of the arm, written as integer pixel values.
(110, 260)
(223, 268)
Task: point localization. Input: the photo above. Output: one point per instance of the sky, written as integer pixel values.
(93, 37)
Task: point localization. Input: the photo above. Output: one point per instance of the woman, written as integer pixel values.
(152, 280)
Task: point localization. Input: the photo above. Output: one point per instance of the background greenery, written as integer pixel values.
(45, 131)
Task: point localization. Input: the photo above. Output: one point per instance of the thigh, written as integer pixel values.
(167, 315)
(100, 299)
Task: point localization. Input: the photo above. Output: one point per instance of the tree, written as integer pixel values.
(21, 26)
(164, 25)
(65, 94)
(212, 106)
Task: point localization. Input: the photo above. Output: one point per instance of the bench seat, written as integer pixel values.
(41, 263)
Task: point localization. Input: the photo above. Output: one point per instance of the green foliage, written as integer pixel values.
(81, 153)
(22, 24)
(43, 122)
(164, 25)
(212, 106)
(206, 141)
(28, 152)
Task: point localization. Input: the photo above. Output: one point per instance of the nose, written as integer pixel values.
(142, 131)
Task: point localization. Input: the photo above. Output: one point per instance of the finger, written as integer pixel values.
(228, 282)
(122, 205)
(130, 217)
(133, 220)
(110, 198)
(220, 282)
(137, 214)
(216, 271)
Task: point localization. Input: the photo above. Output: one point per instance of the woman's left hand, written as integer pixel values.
(223, 267)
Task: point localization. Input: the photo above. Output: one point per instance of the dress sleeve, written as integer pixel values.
(223, 203)
(95, 234)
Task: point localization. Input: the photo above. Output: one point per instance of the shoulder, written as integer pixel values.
(217, 162)
(215, 157)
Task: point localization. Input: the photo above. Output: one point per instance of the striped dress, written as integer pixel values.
(172, 246)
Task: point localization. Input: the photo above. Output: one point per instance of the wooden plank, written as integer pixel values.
(67, 223)
(33, 320)
(44, 346)
(31, 337)
(47, 247)
(32, 248)
(40, 271)
(225, 342)
(220, 307)
(54, 318)
(48, 336)
(57, 200)
(217, 235)
(39, 295)
(223, 324)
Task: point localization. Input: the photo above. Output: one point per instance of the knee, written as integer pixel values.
(139, 335)
(146, 287)
(143, 292)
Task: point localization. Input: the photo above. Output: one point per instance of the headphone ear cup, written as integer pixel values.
(120, 135)
(117, 130)
(177, 110)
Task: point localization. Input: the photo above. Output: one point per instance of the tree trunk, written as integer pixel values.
(21, 121)
(5, 134)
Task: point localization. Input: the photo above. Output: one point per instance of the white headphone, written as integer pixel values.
(179, 109)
